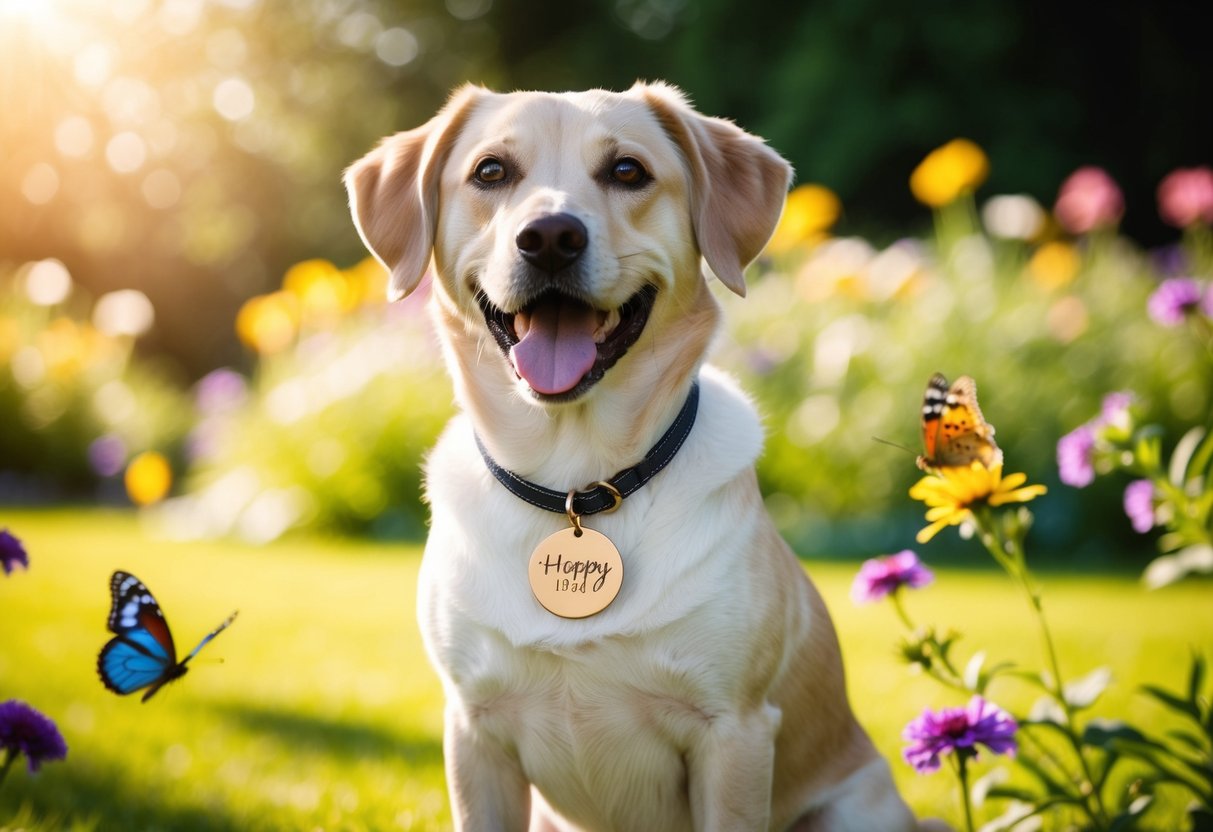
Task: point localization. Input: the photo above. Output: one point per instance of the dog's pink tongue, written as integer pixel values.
(559, 347)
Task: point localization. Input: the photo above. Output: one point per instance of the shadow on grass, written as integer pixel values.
(346, 739)
(83, 798)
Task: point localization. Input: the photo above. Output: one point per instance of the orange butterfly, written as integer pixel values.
(954, 433)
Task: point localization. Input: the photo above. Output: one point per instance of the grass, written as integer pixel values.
(324, 714)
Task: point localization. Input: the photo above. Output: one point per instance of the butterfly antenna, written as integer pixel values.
(894, 445)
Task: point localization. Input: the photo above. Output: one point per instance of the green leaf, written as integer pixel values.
(1053, 786)
(1127, 819)
(1172, 701)
(1196, 679)
(1194, 742)
(1182, 455)
(1172, 768)
(1103, 733)
(1202, 457)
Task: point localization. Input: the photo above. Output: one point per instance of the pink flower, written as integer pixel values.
(1076, 455)
(1088, 199)
(1139, 505)
(1185, 197)
(879, 577)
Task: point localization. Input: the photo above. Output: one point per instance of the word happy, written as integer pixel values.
(577, 571)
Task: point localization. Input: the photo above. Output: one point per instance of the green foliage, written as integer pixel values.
(331, 437)
(64, 384)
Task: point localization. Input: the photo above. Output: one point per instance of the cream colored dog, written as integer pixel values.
(566, 232)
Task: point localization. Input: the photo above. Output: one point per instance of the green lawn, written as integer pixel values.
(323, 714)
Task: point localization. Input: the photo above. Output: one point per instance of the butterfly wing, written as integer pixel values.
(954, 431)
(142, 653)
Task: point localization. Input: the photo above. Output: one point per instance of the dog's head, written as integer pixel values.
(568, 228)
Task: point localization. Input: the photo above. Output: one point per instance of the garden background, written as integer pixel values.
(200, 381)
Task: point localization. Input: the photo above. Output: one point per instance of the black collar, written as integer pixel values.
(600, 498)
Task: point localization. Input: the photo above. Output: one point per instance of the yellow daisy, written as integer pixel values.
(951, 492)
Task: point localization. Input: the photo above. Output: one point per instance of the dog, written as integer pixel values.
(567, 234)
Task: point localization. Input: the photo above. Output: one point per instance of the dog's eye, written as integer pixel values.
(628, 171)
(489, 171)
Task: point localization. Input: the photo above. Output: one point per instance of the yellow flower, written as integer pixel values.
(1054, 265)
(951, 492)
(810, 211)
(323, 291)
(368, 282)
(948, 172)
(268, 323)
(148, 478)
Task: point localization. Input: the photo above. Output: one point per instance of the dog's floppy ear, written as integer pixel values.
(393, 192)
(738, 184)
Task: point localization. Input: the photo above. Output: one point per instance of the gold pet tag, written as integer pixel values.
(576, 572)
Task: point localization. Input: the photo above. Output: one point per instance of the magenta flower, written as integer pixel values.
(1139, 505)
(1088, 199)
(958, 731)
(24, 730)
(1075, 456)
(1175, 299)
(879, 577)
(12, 553)
(1185, 197)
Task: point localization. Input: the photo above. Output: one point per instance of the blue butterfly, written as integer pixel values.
(142, 654)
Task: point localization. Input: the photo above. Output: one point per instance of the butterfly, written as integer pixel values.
(954, 433)
(142, 654)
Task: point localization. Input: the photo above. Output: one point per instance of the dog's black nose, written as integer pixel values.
(552, 242)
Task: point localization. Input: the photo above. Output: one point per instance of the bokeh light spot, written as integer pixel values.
(396, 46)
(124, 312)
(47, 282)
(161, 189)
(234, 99)
(92, 64)
(126, 152)
(74, 136)
(40, 184)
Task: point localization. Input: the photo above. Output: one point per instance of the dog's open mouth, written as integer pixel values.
(561, 345)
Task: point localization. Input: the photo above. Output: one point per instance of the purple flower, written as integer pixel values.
(1139, 505)
(107, 455)
(958, 731)
(1075, 452)
(879, 577)
(1175, 299)
(220, 391)
(12, 553)
(24, 730)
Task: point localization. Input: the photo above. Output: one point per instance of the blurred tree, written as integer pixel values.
(192, 148)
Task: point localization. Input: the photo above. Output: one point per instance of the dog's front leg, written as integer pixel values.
(730, 771)
(488, 791)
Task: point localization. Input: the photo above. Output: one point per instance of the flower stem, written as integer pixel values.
(1007, 550)
(8, 763)
(895, 597)
(963, 773)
